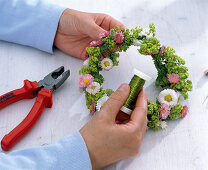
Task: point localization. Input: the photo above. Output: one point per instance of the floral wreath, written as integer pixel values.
(172, 74)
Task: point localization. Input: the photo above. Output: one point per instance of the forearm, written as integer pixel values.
(32, 23)
(68, 153)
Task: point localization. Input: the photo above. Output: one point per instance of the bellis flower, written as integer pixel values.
(184, 111)
(162, 50)
(174, 78)
(86, 55)
(101, 102)
(206, 72)
(169, 97)
(164, 111)
(106, 64)
(103, 34)
(85, 80)
(93, 88)
(162, 124)
(118, 37)
(92, 108)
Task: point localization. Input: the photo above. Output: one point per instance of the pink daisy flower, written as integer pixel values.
(86, 55)
(174, 78)
(162, 50)
(152, 53)
(184, 111)
(149, 53)
(92, 108)
(100, 42)
(206, 72)
(85, 80)
(93, 44)
(118, 37)
(164, 111)
(103, 34)
(96, 43)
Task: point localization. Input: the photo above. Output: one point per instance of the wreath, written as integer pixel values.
(172, 73)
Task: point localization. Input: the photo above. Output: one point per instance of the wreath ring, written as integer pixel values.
(172, 73)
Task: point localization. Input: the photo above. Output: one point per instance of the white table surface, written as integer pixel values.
(182, 24)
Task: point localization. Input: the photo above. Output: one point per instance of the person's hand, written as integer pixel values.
(108, 142)
(77, 29)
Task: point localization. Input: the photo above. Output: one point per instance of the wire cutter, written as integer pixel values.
(43, 90)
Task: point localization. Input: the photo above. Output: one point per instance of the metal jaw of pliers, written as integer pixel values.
(53, 80)
(43, 90)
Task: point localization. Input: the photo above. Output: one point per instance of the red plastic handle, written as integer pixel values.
(26, 92)
(44, 99)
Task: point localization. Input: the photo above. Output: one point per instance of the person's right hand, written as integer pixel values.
(108, 142)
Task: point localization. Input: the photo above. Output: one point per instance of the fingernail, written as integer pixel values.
(123, 87)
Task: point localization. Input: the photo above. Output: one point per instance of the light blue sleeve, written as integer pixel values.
(34, 23)
(29, 22)
(70, 153)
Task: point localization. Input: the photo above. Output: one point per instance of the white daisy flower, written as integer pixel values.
(86, 63)
(162, 124)
(136, 42)
(93, 88)
(107, 64)
(101, 102)
(180, 98)
(169, 97)
(144, 32)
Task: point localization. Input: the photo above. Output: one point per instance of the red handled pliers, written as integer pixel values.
(43, 90)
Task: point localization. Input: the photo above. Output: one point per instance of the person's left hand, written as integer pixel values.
(77, 29)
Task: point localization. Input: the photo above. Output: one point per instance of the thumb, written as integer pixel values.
(115, 102)
(139, 114)
(94, 30)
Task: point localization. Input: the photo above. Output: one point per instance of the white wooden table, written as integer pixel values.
(182, 24)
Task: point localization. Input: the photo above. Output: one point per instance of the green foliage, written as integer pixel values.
(98, 78)
(84, 70)
(93, 98)
(109, 43)
(175, 112)
(135, 33)
(165, 64)
(150, 45)
(153, 115)
(168, 64)
(152, 29)
(109, 92)
(128, 41)
(114, 57)
(94, 51)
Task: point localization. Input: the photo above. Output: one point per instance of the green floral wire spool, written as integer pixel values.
(136, 84)
(172, 74)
